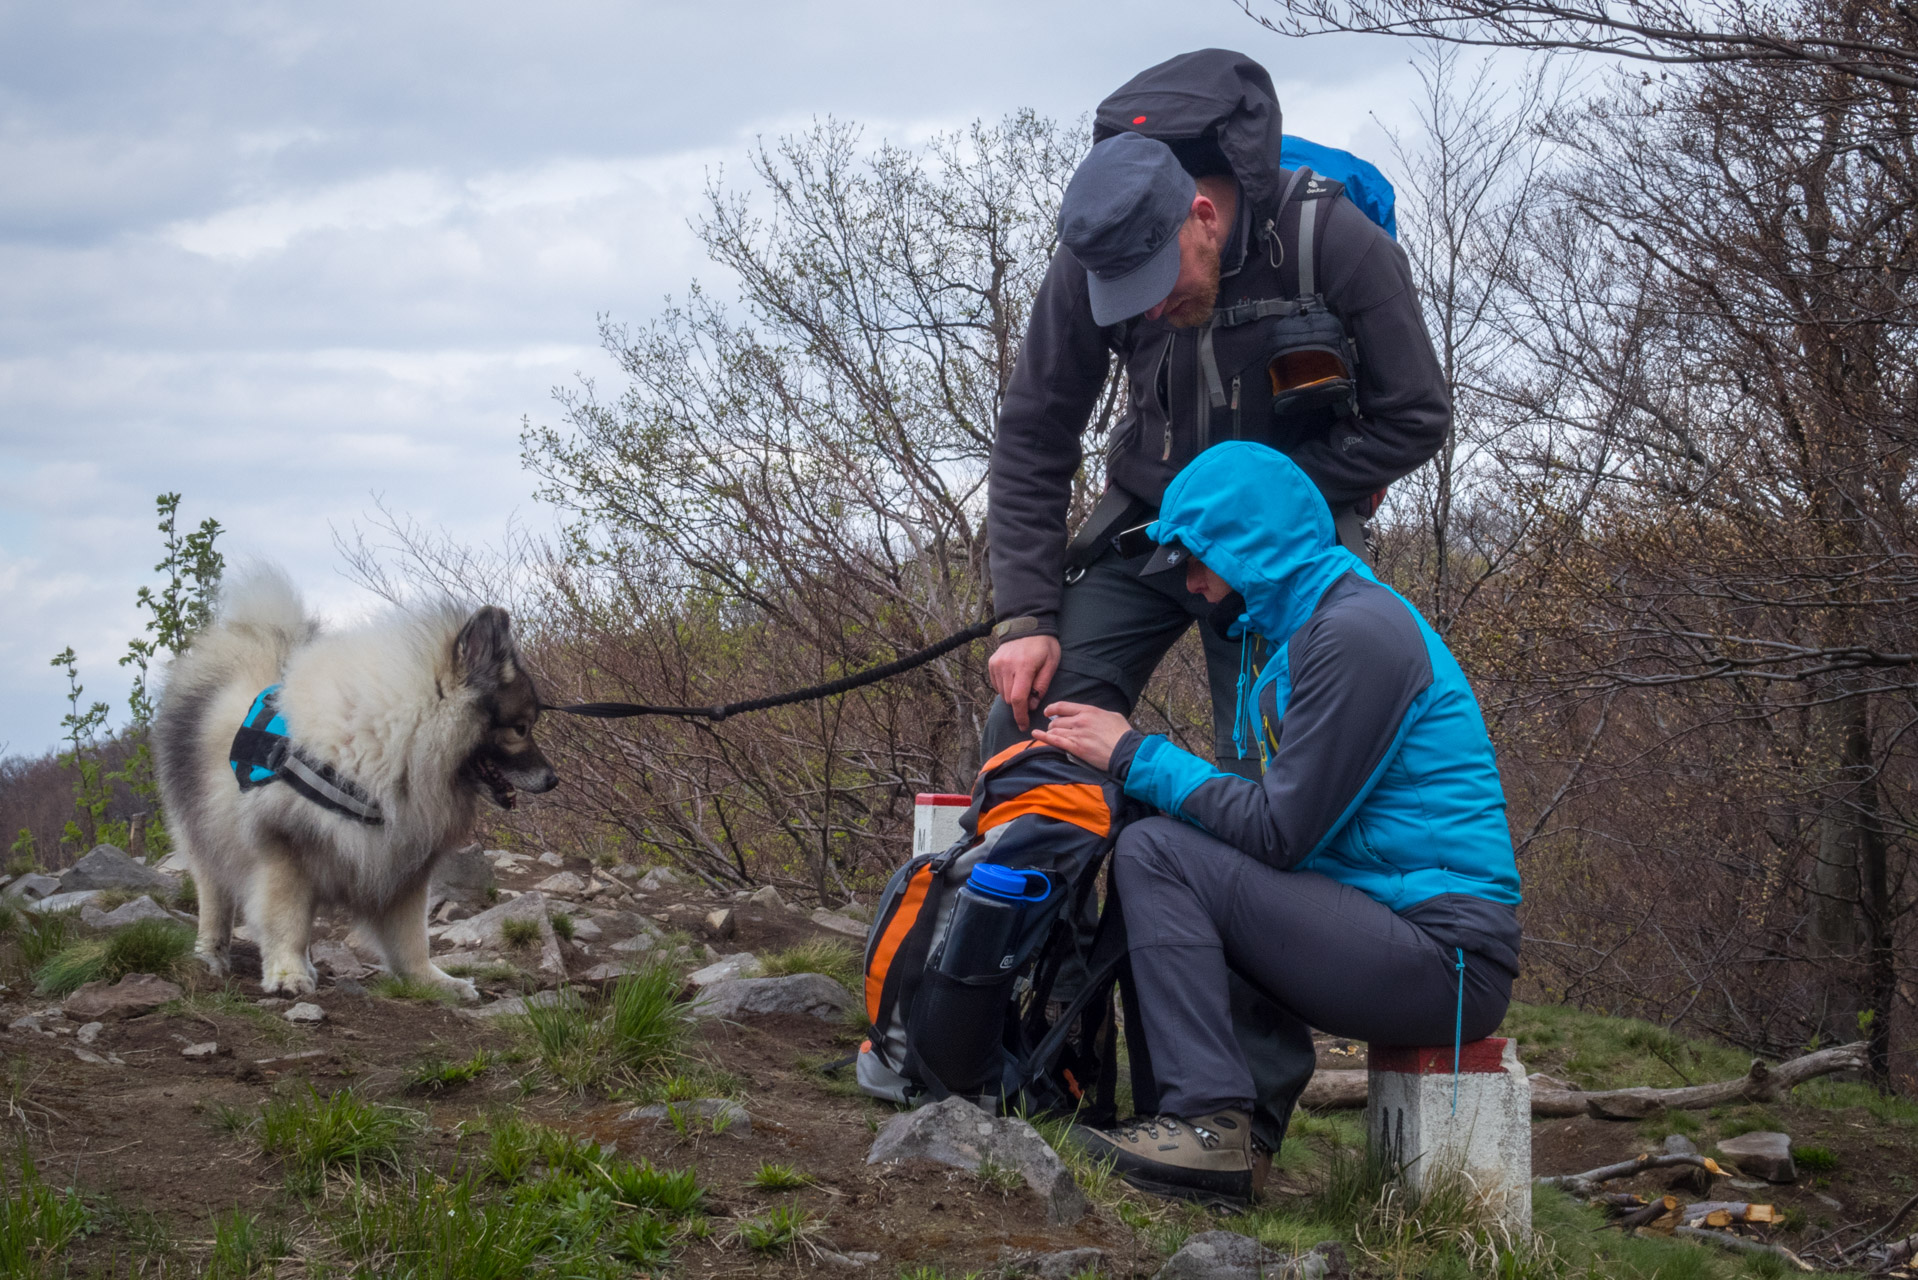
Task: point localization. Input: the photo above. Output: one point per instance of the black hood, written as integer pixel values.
(1196, 102)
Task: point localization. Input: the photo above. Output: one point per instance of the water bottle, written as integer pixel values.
(958, 1019)
(986, 920)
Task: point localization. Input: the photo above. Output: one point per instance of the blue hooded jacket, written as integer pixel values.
(1378, 770)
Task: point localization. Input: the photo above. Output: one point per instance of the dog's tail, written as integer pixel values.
(260, 598)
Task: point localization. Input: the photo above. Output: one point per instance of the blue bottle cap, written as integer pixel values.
(1004, 882)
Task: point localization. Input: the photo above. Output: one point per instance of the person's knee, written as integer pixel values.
(1144, 847)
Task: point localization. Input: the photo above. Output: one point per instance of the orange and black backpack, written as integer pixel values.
(989, 970)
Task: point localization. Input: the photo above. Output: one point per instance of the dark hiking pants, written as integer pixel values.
(1234, 962)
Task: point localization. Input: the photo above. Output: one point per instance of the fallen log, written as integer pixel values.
(1740, 1244)
(1341, 1090)
(1760, 1084)
(1722, 1213)
(1585, 1185)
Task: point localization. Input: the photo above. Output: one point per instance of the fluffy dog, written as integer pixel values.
(422, 714)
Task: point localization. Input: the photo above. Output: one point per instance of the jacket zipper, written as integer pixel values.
(1204, 403)
(1235, 408)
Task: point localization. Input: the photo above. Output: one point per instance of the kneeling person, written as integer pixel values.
(1365, 885)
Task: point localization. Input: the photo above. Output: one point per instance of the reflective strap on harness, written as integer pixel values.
(1308, 223)
(263, 752)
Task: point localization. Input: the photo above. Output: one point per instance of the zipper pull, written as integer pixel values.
(1167, 455)
(1235, 407)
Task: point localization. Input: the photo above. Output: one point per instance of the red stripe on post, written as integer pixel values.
(1475, 1057)
(941, 800)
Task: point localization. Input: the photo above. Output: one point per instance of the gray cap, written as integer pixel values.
(1121, 217)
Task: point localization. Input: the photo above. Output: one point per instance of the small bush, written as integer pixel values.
(311, 1133)
(519, 932)
(778, 1177)
(837, 960)
(145, 946)
(562, 924)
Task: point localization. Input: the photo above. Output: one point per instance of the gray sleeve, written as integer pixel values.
(1356, 670)
(1405, 408)
(1035, 450)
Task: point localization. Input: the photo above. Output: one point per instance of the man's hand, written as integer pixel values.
(1021, 670)
(1089, 733)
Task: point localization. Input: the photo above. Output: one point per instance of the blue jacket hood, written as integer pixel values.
(1250, 514)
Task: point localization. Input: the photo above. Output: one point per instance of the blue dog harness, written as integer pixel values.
(262, 753)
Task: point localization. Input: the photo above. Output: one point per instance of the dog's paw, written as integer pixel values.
(289, 978)
(215, 961)
(459, 988)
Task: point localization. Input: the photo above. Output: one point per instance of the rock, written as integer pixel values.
(33, 886)
(514, 1006)
(305, 1013)
(88, 1055)
(108, 868)
(75, 901)
(813, 994)
(585, 930)
(174, 864)
(563, 885)
(1061, 1265)
(450, 910)
(141, 908)
(551, 859)
(839, 924)
(658, 878)
(485, 931)
(338, 959)
(466, 872)
(131, 996)
(721, 923)
(954, 1132)
(719, 1114)
(205, 1051)
(271, 1002)
(848, 1261)
(766, 896)
(28, 1022)
(1677, 1144)
(1689, 1178)
(743, 964)
(89, 1033)
(611, 971)
(1227, 1255)
(1759, 1155)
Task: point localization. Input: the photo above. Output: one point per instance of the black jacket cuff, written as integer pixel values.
(1121, 762)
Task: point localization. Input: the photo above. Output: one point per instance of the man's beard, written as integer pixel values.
(1197, 309)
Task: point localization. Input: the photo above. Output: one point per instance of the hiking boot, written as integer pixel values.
(1208, 1159)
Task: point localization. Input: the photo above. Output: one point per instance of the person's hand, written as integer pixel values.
(1021, 670)
(1090, 733)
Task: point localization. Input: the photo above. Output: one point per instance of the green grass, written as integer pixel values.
(638, 1030)
(1595, 1051)
(145, 946)
(1815, 1159)
(839, 961)
(41, 935)
(433, 1074)
(778, 1177)
(494, 972)
(519, 932)
(1845, 1095)
(241, 1248)
(108, 899)
(230, 1002)
(311, 1132)
(36, 1221)
(393, 987)
(562, 923)
(187, 897)
(778, 1230)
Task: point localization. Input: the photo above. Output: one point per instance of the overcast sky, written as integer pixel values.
(284, 258)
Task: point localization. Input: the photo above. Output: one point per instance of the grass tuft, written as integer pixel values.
(519, 932)
(839, 961)
(394, 987)
(36, 1222)
(44, 934)
(638, 1031)
(1815, 1159)
(145, 946)
(780, 1230)
(436, 1073)
(312, 1133)
(778, 1177)
(241, 1249)
(562, 923)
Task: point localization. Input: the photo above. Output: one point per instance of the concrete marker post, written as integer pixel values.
(1410, 1121)
(935, 821)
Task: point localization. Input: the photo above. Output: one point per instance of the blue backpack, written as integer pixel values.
(1364, 185)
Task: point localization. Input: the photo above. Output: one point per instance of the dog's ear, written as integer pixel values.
(484, 651)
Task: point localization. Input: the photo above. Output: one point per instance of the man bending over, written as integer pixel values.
(1366, 885)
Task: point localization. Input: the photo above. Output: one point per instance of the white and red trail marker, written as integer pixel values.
(1411, 1120)
(935, 821)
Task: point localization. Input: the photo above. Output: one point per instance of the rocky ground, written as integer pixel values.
(147, 1097)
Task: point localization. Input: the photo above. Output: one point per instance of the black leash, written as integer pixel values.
(812, 693)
